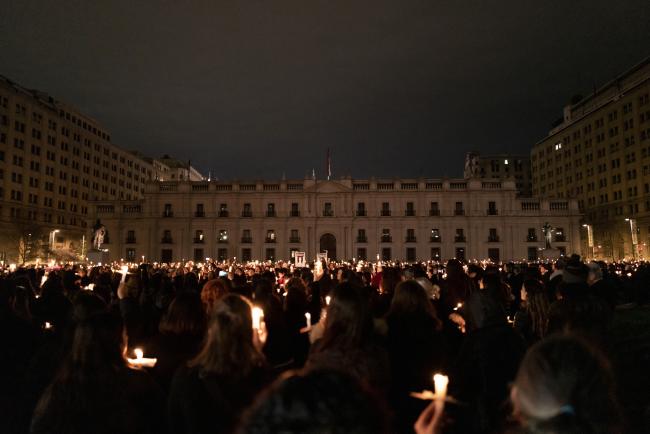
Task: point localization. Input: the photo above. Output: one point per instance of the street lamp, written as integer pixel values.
(633, 237)
(590, 238)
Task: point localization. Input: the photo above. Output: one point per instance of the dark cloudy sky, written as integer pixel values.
(253, 89)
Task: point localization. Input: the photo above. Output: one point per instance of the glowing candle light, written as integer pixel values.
(308, 318)
(142, 361)
(48, 325)
(124, 270)
(12, 267)
(327, 300)
(458, 306)
(440, 383)
(258, 315)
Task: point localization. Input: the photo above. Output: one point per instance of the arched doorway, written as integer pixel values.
(328, 243)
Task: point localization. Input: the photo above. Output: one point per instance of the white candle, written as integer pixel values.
(458, 306)
(308, 318)
(327, 300)
(258, 315)
(142, 361)
(124, 270)
(48, 325)
(440, 383)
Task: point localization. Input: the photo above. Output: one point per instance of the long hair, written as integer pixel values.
(212, 291)
(348, 324)
(229, 348)
(87, 377)
(537, 306)
(411, 299)
(185, 315)
(564, 376)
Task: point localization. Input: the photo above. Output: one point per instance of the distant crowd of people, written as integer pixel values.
(328, 348)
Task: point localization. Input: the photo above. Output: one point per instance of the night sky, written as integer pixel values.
(251, 89)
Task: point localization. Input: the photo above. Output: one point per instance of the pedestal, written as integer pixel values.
(552, 254)
(97, 256)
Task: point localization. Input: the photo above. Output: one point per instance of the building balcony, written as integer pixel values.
(130, 241)
(493, 239)
(386, 239)
(434, 212)
(198, 240)
(222, 241)
(411, 239)
(435, 239)
(328, 213)
(409, 213)
(361, 213)
(246, 240)
(269, 240)
(224, 213)
(294, 213)
(385, 213)
(166, 240)
(168, 214)
(362, 239)
(492, 212)
(560, 238)
(460, 239)
(247, 214)
(531, 238)
(294, 239)
(271, 214)
(459, 212)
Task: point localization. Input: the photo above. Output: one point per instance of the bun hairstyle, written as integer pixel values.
(563, 381)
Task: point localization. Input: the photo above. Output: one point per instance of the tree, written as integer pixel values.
(23, 240)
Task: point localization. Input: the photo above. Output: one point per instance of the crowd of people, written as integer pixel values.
(328, 348)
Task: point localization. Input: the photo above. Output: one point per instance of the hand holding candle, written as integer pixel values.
(308, 318)
(258, 315)
(124, 270)
(142, 361)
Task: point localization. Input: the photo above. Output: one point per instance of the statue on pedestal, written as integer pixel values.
(99, 232)
(548, 231)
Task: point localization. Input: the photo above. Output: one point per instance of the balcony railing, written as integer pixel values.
(224, 213)
(409, 213)
(328, 213)
(460, 238)
(434, 212)
(492, 212)
(531, 238)
(411, 239)
(494, 239)
(130, 240)
(294, 239)
(459, 212)
(199, 214)
(198, 240)
(435, 239)
(386, 239)
(385, 213)
(295, 213)
(166, 240)
(269, 240)
(247, 213)
(168, 214)
(362, 239)
(361, 213)
(270, 213)
(246, 240)
(560, 238)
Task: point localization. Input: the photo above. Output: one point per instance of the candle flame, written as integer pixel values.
(138, 353)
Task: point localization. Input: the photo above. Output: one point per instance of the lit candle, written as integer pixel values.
(12, 267)
(124, 270)
(258, 315)
(440, 383)
(327, 300)
(308, 318)
(48, 325)
(142, 361)
(458, 306)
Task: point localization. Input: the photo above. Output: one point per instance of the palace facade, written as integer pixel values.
(406, 219)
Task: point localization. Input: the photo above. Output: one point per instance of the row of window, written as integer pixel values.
(385, 237)
(328, 209)
(386, 254)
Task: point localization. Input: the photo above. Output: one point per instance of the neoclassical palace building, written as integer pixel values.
(406, 219)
